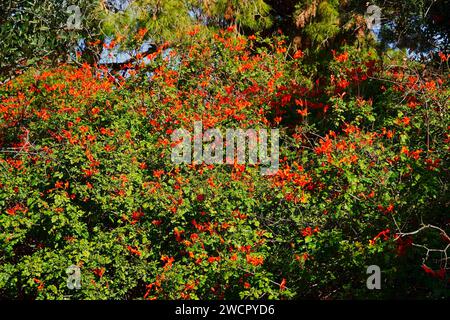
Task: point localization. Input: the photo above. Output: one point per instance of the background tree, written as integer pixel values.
(420, 26)
(33, 30)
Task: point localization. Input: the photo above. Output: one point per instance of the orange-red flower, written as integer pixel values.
(298, 54)
(254, 260)
(283, 284)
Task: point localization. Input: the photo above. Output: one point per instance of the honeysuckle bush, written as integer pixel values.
(87, 177)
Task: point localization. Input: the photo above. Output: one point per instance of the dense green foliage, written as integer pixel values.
(86, 176)
(87, 179)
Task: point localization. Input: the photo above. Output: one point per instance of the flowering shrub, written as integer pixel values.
(87, 180)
